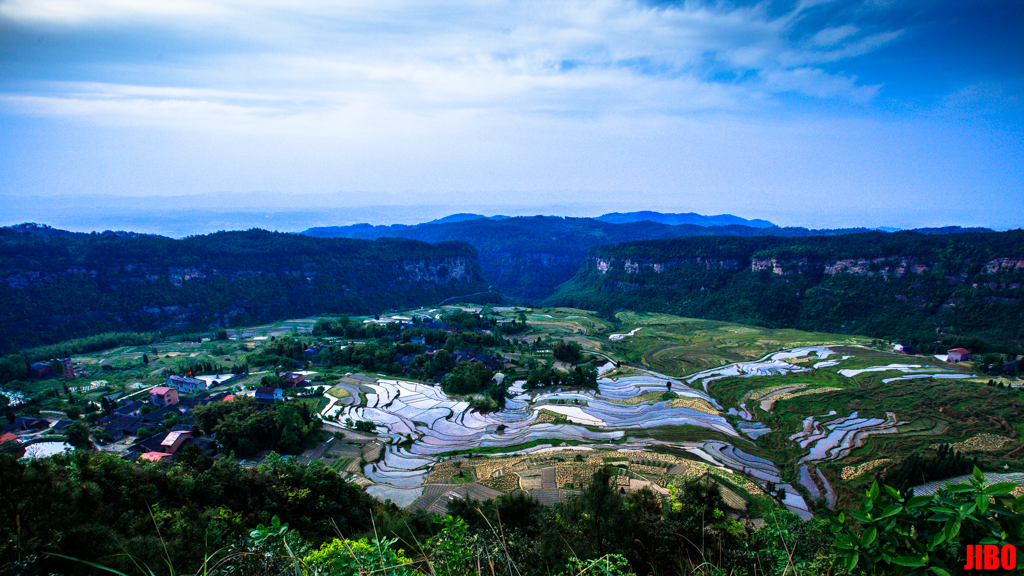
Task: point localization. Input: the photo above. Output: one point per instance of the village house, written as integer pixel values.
(173, 441)
(958, 355)
(27, 424)
(69, 367)
(120, 425)
(41, 371)
(293, 379)
(163, 396)
(268, 395)
(130, 408)
(218, 379)
(185, 384)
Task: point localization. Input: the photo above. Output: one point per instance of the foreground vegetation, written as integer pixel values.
(74, 513)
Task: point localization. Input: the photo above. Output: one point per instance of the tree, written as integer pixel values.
(145, 359)
(568, 351)
(77, 434)
(13, 367)
(442, 360)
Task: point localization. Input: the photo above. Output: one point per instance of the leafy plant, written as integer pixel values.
(352, 557)
(893, 534)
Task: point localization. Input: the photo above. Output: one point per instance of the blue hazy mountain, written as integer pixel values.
(678, 219)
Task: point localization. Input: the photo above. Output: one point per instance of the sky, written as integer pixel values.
(141, 114)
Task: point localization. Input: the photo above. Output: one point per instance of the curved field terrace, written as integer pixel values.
(787, 419)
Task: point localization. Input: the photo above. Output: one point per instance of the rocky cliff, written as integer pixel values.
(899, 285)
(54, 286)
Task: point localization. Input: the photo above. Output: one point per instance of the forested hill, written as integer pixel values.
(528, 257)
(56, 285)
(905, 285)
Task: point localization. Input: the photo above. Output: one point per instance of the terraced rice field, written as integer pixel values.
(549, 442)
(834, 439)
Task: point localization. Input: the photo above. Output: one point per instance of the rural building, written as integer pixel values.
(120, 425)
(41, 371)
(218, 379)
(185, 384)
(268, 395)
(293, 379)
(155, 456)
(163, 396)
(173, 441)
(958, 355)
(69, 367)
(904, 348)
(27, 424)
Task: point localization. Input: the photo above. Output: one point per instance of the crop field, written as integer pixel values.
(816, 414)
(680, 346)
(565, 320)
(810, 412)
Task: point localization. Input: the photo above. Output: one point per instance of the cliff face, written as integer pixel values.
(880, 267)
(892, 285)
(64, 286)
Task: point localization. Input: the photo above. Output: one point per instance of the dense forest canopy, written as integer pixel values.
(952, 289)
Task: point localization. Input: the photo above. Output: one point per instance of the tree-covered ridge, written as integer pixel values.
(528, 257)
(54, 287)
(961, 288)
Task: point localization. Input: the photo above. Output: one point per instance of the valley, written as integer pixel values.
(713, 386)
(808, 418)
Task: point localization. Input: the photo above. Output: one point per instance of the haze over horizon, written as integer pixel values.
(179, 117)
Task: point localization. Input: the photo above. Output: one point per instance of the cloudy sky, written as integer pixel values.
(812, 113)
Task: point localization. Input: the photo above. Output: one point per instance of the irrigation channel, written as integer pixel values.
(419, 423)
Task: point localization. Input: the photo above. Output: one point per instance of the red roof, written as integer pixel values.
(160, 390)
(961, 350)
(8, 436)
(155, 456)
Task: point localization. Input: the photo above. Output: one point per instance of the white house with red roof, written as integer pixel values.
(958, 355)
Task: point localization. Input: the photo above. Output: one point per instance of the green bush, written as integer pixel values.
(893, 534)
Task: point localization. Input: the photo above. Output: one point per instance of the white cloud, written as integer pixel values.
(622, 56)
(525, 97)
(976, 100)
(832, 36)
(76, 12)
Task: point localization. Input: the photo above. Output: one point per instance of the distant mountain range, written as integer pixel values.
(528, 257)
(678, 219)
(56, 284)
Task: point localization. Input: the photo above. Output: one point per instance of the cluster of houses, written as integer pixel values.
(132, 416)
(45, 370)
(491, 361)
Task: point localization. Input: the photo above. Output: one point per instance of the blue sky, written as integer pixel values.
(809, 113)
